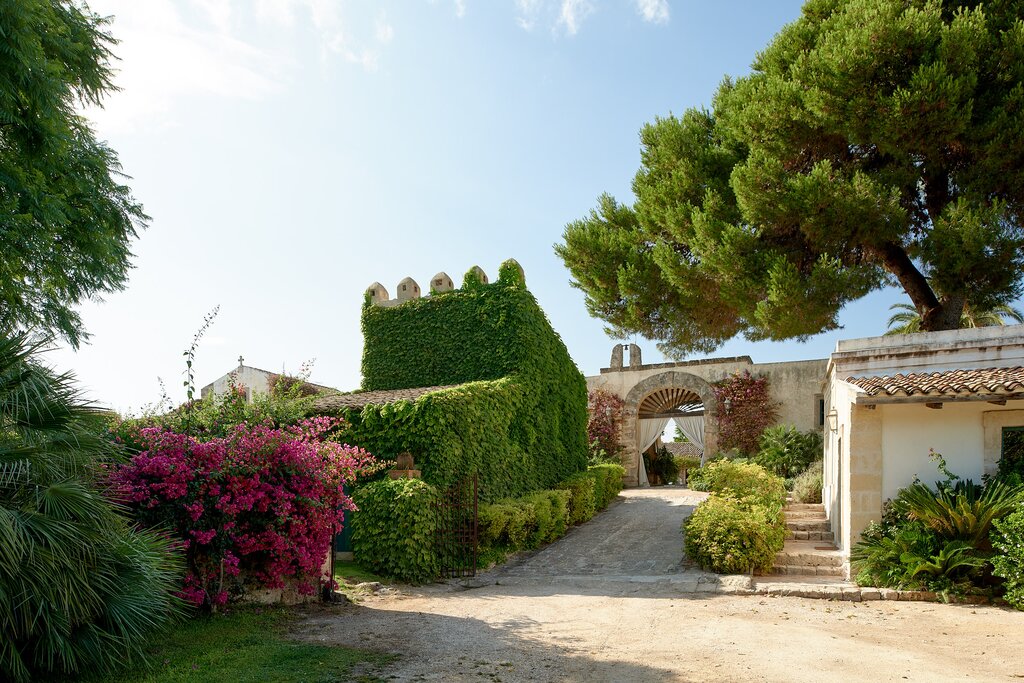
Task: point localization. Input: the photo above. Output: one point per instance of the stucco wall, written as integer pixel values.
(253, 378)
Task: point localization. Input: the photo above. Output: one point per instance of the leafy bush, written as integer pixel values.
(687, 463)
(745, 410)
(784, 451)
(604, 426)
(661, 467)
(937, 538)
(394, 532)
(1008, 540)
(734, 536)
(519, 415)
(743, 480)
(582, 504)
(257, 507)
(81, 589)
(607, 483)
(807, 486)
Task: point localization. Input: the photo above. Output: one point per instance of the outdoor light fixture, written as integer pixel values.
(833, 420)
(728, 404)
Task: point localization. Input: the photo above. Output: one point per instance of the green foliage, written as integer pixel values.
(732, 536)
(1011, 460)
(784, 451)
(1008, 540)
(807, 486)
(937, 538)
(66, 220)
(661, 467)
(873, 142)
(518, 417)
(906, 319)
(80, 587)
(582, 503)
(740, 527)
(607, 483)
(745, 411)
(393, 533)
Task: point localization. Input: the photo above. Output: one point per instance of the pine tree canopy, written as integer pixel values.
(875, 142)
(66, 218)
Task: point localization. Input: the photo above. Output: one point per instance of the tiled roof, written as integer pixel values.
(365, 398)
(987, 381)
(687, 448)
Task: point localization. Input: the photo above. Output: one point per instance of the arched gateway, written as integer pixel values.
(654, 394)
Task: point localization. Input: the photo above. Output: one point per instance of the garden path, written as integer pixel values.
(638, 539)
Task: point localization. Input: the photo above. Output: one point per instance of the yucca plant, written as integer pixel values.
(80, 588)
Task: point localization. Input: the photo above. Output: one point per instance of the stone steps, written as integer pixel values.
(810, 545)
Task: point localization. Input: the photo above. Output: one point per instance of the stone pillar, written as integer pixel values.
(635, 358)
(630, 450)
(616, 363)
(862, 469)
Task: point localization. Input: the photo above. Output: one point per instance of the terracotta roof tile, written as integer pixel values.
(947, 383)
(365, 398)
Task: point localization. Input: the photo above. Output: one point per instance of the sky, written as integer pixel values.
(292, 152)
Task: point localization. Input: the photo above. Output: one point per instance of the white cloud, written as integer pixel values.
(572, 14)
(528, 10)
(385, 31)
(654, 11)
(460, 8)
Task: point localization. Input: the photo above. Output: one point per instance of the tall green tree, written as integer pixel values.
(874, 142)
(66, 218)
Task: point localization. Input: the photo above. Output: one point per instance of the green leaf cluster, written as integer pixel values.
(517, 416)
(874, 143)
(66, 218)
(81, 588)
(787, 452)
(1008, 540)
(394, 532)
(740, 528)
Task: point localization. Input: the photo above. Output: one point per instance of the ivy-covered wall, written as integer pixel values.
(519, 416)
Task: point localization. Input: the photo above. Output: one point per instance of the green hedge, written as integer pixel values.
(1008, 563)
(741, 526)
(519, 416)
(393, 533)
(543, 516)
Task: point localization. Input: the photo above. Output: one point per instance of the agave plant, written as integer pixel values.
(80, 589)
(953, 559)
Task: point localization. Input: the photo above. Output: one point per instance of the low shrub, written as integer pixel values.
(786, 452)
(1008, 540)
(394, 532)
(551, 512)
(734, 536)
(807, 486)
(743, 480)
(607, 483)
(582, 505)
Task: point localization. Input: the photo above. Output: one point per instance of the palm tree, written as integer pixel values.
(907, 320)
(80, 588)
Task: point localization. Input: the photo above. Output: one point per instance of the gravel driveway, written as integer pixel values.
(611, 602)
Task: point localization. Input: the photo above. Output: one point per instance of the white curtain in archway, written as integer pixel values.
(692, 428)
(649, 431)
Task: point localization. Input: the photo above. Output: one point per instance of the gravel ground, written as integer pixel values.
(612, 601)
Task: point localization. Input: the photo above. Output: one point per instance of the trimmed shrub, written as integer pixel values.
(807, 486)
(582, 505)
(1008, 540)
(744, 480)
(519, 415)
(733, 536)
(607, 483)
(551, 512)
(394, 532)
(786, 452)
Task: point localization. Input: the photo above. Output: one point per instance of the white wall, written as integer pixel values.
(910, 430)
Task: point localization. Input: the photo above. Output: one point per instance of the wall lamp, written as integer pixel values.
(833, 420)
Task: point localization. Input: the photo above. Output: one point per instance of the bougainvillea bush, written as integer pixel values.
(256, 508)
(604, 426)
(745, 410)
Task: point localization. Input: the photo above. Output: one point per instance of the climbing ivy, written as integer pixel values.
(518, 416)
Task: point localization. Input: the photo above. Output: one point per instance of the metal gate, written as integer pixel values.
(457, 528)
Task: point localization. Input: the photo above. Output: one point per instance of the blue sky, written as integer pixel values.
(291, 152)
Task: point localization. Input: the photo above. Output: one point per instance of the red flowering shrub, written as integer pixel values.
(745, 410)
(605, 424)
(257, 507)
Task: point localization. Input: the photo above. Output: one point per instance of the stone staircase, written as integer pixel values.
(810, 548)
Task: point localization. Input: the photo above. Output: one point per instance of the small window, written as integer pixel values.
(819, 411)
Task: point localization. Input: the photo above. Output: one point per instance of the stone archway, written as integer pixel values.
(643, 389)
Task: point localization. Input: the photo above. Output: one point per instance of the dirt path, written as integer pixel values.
(611, 602)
